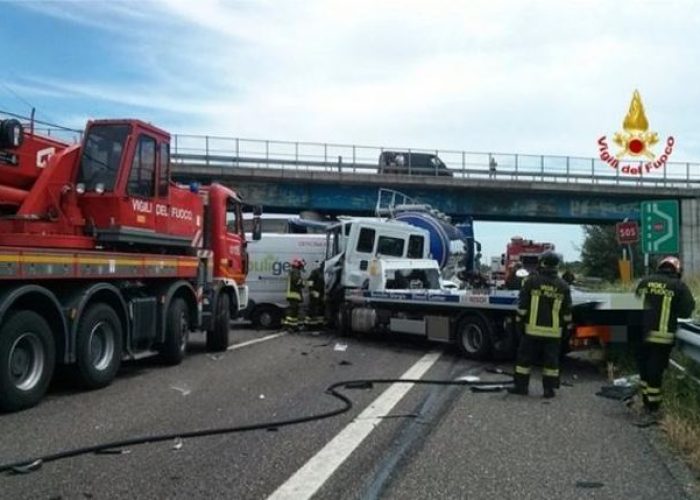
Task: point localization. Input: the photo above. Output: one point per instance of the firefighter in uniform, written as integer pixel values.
(666, 298)
(316, 285)
(544, 309)
(295, 286)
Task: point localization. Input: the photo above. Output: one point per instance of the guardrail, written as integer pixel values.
(216, 151)
(688, 340)
(195, 150)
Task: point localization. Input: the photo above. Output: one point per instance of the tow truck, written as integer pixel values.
(104, 258)
(400, 291)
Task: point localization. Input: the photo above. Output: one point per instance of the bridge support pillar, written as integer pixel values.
(690, 236)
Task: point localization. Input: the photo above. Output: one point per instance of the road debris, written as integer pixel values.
(345, 363)
(340, 347)
(469, 378)
(182, 390)
(215, 357)
(177, 444)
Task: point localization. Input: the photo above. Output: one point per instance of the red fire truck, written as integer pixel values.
(525, 252)
(104, 258)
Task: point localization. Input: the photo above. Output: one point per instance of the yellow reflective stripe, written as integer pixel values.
(293, 295)
(543, 331)
(654, 399)
(568, 318)
(653, 390)
(550, 372)
(555, 313)
(665, 313)
(522, 312)
(534, 307)
(523, 370)
(660, 337)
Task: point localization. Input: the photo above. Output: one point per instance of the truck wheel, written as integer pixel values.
(177, 332)
(98, 346)
(474, 338)
(27, 360)
(267, 317)
(217, 337)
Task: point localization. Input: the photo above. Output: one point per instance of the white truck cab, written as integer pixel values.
(353, 243)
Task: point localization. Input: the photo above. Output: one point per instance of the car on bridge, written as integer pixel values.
(401, 162)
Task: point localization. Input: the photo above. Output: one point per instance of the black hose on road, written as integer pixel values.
(32, 464)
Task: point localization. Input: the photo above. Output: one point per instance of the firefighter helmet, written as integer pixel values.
(669, 263)
(298, 264)
(549, 259)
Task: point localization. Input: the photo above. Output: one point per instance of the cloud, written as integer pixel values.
(539, 77)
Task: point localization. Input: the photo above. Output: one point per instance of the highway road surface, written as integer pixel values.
(398, 441)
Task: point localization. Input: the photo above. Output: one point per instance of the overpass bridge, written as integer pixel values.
(344, 179)
(289, 177)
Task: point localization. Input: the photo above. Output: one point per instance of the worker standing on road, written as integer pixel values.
(316, 285)
(666, 298)
(544, 309)
(295, 286)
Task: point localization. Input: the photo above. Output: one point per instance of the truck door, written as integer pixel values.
(140, 187)
(234, 263)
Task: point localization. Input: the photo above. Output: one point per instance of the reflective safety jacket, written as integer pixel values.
(544, 305)
(295, 284)
(316, 283)
(666, 298)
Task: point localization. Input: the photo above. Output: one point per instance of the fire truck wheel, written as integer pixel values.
(177, 332)
(27, 360)
(98, 346)
(217, 338)
(267, 317)
(474, 338)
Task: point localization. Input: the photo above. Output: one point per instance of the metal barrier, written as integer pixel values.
(195, 150)
(216, 151)
(688, 340)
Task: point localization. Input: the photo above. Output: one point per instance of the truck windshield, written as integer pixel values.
(102, 156)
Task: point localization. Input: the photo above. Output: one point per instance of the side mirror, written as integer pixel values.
(257, 223)
(478, 247)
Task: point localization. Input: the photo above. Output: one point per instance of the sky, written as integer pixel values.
(538, 77)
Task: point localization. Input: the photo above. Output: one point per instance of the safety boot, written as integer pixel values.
(521, 384)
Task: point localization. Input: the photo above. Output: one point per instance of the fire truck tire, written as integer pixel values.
(98, 346)
(27, 360)
(267, 317)
(177, 332)
(217, 337)
(474, 338)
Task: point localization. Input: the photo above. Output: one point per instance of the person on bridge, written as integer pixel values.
(295, 287)
(544, 309)
(316, 285)
(666, 298)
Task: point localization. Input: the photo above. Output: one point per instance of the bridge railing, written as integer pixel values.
(327, 157)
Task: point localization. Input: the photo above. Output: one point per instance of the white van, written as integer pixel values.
(269, 262)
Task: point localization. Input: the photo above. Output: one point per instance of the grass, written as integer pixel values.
(681, 421)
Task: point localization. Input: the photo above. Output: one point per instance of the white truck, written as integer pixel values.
(372, 290)
(269, 261)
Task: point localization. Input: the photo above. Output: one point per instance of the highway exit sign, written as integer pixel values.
(660, 227)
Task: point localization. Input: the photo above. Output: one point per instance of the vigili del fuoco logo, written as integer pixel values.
(636, 142)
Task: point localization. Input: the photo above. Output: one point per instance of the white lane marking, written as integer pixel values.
(312, 475)
(256, 341)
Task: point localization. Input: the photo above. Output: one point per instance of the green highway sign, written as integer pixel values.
(660, 228)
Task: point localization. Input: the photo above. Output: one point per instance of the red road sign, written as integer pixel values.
(627, 232)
